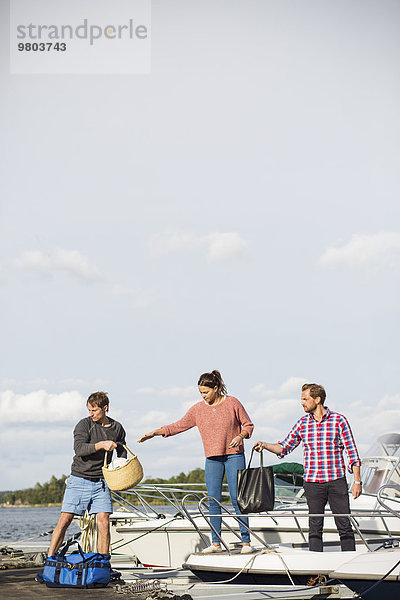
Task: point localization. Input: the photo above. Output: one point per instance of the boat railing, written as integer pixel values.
(237, 518)
(393, 486)
(208, 518)
(190, 517)
(291, 514)
(145, 499)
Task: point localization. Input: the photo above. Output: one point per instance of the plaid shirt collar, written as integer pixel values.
(324, 418)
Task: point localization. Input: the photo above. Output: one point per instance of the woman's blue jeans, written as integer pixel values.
(216, 467)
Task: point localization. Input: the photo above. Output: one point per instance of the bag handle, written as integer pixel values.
(66, 547)
(118, 444)
(251, 456)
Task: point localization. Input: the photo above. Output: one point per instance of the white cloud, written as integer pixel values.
(224, 246)
(53, 384)
(282, 411)
(369, 422)
(218, 246)
(140, 298)
(35, 260)
(178, 392)
(41, 407)
(34, 454)
(290, 388)
(75, 263)
(95, 384)
(70, 261)
(8, 383)
(365, 251)
(146, 391)
(276, 410)
(154, 418)
(169, 242)
(188, 391)
(54, 416)
(184, 396)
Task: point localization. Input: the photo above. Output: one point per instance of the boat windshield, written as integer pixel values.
(387, 444)
(376, 472)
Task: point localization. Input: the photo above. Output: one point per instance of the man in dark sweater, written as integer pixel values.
(86, 488)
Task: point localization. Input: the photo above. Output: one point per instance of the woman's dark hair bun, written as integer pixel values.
(213, 379)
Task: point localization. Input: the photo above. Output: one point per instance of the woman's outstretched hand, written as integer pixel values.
(146, 436)
(152, 434)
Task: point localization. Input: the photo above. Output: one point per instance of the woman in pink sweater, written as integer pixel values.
(223, 424)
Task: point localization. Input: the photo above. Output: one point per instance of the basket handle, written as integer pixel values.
(126, 448)
(129, 452)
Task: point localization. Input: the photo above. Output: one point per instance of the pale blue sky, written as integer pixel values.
(238, 208)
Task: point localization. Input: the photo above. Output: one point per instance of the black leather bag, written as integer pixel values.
(255, 488)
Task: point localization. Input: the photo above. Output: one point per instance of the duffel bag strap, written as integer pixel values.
(59, 565)
(67, 546)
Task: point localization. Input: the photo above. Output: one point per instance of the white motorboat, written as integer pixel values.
(164, 538)
(377, 574)
(277, 565)
(167, 538)
(377, 563)
(374, 575)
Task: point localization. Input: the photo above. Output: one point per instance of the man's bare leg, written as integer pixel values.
(59, 532)
(103, 529)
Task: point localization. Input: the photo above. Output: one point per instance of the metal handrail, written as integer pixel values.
(189, 516)
(297, 513)
(392, 486)
(299, 526)
(237, 518)
(159, 492)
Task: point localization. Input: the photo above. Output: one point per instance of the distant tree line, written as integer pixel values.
(2, 494)
(52, 491)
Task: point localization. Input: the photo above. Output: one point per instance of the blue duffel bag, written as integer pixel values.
(78, 569)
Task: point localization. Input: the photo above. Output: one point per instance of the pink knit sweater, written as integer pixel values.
(217, 425)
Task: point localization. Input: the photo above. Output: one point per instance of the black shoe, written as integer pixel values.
(115, 575)
(39, 576)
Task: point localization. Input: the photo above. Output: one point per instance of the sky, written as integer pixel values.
(237, 208)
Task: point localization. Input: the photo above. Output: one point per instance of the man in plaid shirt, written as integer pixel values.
(325, 434)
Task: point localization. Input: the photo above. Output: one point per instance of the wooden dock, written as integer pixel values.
(20, 584)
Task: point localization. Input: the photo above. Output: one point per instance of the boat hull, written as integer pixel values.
(385, 590)
(378, 572)
(250, 578)
(275, 566)
(168, 542)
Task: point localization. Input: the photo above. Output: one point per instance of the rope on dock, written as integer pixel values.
(151, 589)
(34, 537)
(88, 527)
(16, 559)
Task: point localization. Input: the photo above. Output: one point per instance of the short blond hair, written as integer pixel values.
(315, 391)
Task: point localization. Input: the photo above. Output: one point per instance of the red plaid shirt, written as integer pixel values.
(323, 444)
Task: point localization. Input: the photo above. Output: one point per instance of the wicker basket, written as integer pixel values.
(125, 477)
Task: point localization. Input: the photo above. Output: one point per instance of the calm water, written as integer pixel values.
(23, 522)
(20, 523)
